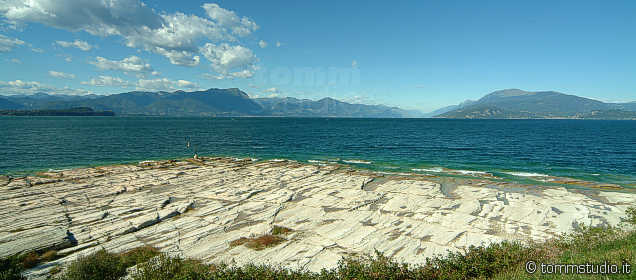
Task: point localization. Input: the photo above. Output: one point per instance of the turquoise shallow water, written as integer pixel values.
(603, 151)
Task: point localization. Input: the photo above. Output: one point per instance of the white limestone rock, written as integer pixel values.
(196, 210)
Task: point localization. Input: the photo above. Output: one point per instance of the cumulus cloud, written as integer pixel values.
(228, 19)
(164, 84)
(82, 45)
(354, 63)
(61, 75)
(177, 36)
(8, 43)
(107, 81)
(16, 61)
(278, 44)
(262, 44)
(232, 61)
(131, 64)
(31, 87)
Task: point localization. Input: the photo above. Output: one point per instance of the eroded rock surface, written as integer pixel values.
(196, 208)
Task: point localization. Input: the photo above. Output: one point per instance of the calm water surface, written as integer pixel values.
(603, 151)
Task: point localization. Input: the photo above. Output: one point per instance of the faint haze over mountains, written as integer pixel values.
(502, 104)
(211, 102)
(415, 55)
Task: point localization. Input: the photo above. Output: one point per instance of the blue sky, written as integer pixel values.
(413, 54)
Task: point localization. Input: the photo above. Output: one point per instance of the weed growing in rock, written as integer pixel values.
(279, 230)
(258, 243)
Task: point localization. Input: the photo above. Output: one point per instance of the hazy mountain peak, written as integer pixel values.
(327, 99)
(516, 103)
(231, 91)
(509, 93)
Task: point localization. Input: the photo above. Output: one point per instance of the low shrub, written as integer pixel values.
(166, 268)
(11, 268)
(370, 267)
(30, 260)
(258, 243)
(631, 216)
(100, 265)
(105, 265)
(139, 255)
(477, 261)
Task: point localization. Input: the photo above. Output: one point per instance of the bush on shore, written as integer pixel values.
(107, 266)
(12, 267)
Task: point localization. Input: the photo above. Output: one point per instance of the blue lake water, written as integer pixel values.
(603, 151)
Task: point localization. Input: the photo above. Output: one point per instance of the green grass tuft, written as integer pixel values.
(279, 230)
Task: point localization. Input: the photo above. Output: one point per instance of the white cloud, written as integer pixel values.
(132, 64)
(225, 59)
(31, 87)
(174, 35)
(107, 81)
(238, 26)
(68, 59)
(278, 44)
(164, 84)
(82, 45)
(262, 44)
(186, 84)
(213, 77)
(37, 50)
(184, 58)
(272, 90)
(8, 43)
(61, 75)
(244, 74)
(16, 61)
(354, 63)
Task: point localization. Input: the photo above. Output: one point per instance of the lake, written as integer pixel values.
(601, 151)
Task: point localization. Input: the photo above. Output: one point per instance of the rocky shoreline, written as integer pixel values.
(196, 208)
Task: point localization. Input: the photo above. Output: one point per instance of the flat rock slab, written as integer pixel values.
(196, 208)
(37, 239)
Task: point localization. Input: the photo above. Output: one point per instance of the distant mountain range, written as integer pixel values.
(212, 102)
(516, 103)
(503, 104)
(327, 107)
